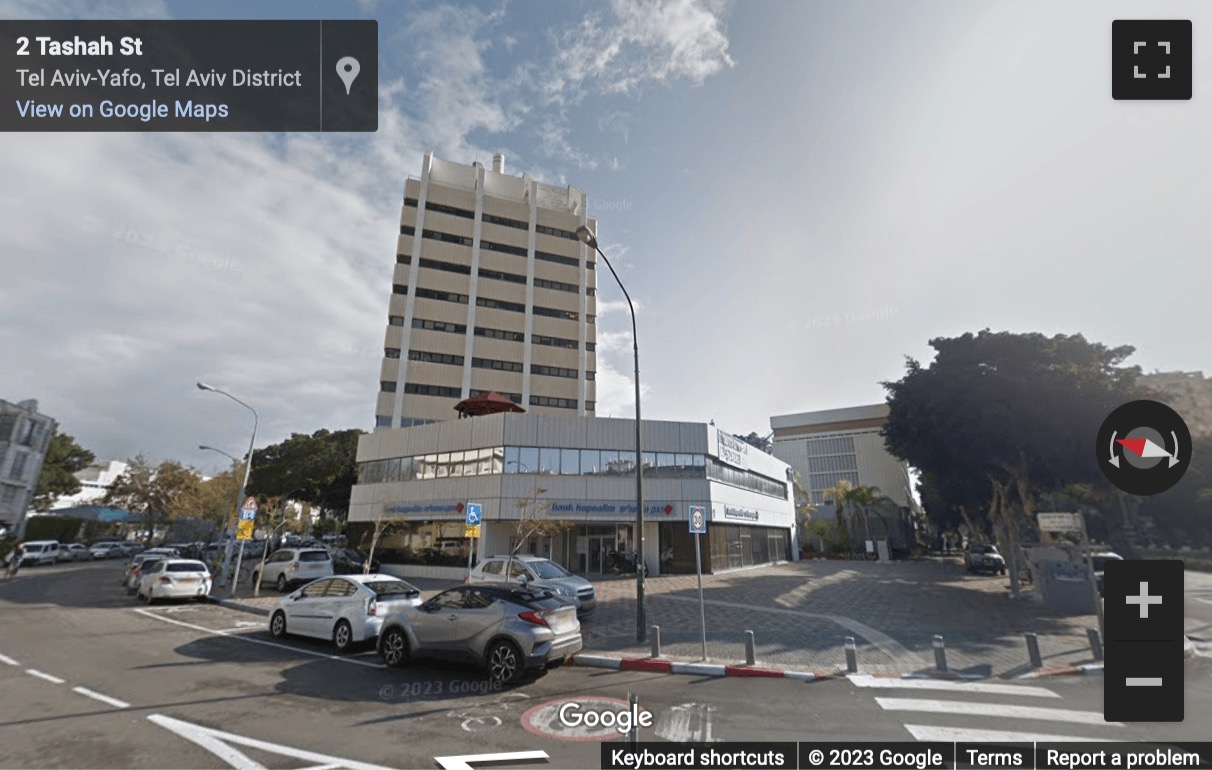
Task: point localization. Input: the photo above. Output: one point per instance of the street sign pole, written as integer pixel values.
(698, 526)
(471, 527)
(1098, 602)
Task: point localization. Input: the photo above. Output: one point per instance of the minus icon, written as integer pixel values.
(1143, 681)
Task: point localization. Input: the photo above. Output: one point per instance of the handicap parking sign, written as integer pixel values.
(473, 514)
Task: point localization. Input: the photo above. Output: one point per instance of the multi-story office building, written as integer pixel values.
(835, 444)
(24, 438)
(492, 291)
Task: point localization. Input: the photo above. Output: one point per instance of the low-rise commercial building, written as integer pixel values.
(577, 474)
(25, 435)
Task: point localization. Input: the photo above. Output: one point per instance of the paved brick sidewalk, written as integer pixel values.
(801, 613)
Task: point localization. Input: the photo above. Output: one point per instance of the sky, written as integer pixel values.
(797, 195)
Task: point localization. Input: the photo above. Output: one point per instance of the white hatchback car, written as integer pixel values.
(345, 609)
(174, 579)
(288, 566)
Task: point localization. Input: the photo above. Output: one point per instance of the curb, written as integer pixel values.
(1088, 669)
(235, 604)
(666, 666)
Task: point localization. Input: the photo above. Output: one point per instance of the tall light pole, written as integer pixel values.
(641, 620)
(235, 466)
(243, 485)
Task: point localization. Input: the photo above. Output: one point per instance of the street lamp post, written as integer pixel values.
(235, 467)
(641, 631)
(243, 485)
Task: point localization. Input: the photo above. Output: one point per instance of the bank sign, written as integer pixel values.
(655, 509)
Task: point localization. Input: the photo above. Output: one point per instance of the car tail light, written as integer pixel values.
(372, 607)
(166, 580)
(533, 617)
(294, 565)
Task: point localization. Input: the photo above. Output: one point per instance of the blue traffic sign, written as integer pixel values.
(248, 514)
(698, 520)
(473, 514)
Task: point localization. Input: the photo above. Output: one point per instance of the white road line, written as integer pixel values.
(247, 638)
(887, 683)
(968, 708)
(970, 735)
(8, 660)
(103, 698)
(43, 675)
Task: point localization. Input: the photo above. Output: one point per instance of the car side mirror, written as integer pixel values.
(524, 579)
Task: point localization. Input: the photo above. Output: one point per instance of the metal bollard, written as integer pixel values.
(940, 654)
(851, 656)
(1096, 643)
(1033, 650)
(750, 650)
(656, 641)
(633, 735)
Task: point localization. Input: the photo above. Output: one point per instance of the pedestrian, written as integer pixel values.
(14, 558)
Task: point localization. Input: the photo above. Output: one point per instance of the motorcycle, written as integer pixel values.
(623, 563)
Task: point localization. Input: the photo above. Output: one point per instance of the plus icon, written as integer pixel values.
(1144, 600)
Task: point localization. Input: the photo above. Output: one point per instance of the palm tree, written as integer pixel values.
(852, 500)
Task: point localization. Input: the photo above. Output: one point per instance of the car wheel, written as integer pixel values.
(281, 584)
(1002, 571)
(277, 625)
(394, 648)
(504, 662)
(342, 636)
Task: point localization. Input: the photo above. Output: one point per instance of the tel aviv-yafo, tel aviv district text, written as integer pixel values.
(236, 78)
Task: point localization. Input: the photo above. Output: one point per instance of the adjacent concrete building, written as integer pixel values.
(95, 481)
(25, 435)
(1189, 394)
(492, 292)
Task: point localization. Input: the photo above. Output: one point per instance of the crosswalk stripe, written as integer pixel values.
(972, 735)
(987, 688)
(994, 710)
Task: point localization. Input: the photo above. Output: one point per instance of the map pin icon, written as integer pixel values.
(348, 69)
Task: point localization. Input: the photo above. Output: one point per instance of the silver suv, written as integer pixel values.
(536, 571)
(506, 629)
(290, 566)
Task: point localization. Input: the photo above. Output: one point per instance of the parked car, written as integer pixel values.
(345, 610)
(134, 570)
(1098, 561)
(105, 550)
(163, 551)
(39, 552)
(174, 579)
(538, 572)
(287, 567)
(75, 552)
(506, 629)
(347, 561)
(984, 558)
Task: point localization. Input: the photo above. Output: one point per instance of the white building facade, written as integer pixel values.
(579, 471)
(95, 481)
(25, 436)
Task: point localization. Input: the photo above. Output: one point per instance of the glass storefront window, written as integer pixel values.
(570, 462)
(591, 462)
(528, 460)
(610, 463)
(456, 463)
(512, 459)
(649, 464)
(549, 460)
(443, 465)
(406, 469)
(498, 459)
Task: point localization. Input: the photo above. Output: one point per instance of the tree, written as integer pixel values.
(853, 502)
(156, 493)
(533, 522)
(382, 525)
(321, 468)
(1012, 412)
(760, 442)
(64, 458)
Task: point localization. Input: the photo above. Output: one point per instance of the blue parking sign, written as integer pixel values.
(474, 514)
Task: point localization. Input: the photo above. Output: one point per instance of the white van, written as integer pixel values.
(40, 552)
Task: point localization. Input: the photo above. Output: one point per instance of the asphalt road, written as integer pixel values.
(93, 680)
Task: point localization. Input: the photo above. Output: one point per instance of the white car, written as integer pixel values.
(39, 552)
(75, 552)
(174, 579)
(106, 550)
(345, 609)
(288, 566)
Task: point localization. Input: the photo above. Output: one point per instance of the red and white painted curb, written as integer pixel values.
(664, 665)
(1088, 669)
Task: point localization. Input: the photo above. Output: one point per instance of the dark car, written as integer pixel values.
(984, 558)
(347, 561)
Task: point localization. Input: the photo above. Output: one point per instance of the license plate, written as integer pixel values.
(589, 605)
(189, 580)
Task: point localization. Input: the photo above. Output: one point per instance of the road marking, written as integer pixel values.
(686, 723)
(103, 698)
(886, 683)
(8, 660)
(247, 638)
(994, 710)
(463, 762)
(218, 743)
(43, 675)
(970, 735)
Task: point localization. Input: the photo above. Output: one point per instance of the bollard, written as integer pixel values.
(633, 735)
(750, 650)
(940, 654)
(1033, 650)
(851, 656)
(656, 641)
(1096, 644)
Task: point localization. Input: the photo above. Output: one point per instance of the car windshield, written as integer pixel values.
(186, 566)
(986, 549)
(549, 570)
(314, 556)
(392, 588)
